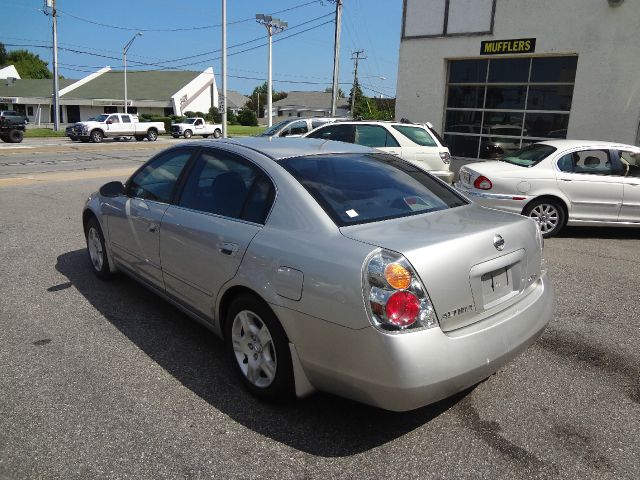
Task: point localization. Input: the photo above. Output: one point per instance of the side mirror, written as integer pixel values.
(112, 189)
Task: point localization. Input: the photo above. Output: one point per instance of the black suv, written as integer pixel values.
(11, 116)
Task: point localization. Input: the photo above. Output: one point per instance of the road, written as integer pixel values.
(105, 380)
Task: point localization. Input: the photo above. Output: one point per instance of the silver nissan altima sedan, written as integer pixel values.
(327, 266)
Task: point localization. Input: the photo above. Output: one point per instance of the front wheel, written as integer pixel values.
(259, 349)
(152, 135)
(217, 133)
(187, 134)
(96, 136)
(97, 250)
(15, 136)
(549, 214)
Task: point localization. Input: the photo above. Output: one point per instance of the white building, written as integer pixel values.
(523, 69)
(153, 92)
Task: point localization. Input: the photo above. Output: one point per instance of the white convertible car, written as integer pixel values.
(561, 182)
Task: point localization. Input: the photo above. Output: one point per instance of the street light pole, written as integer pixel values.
(124, 59)
(273, 25)
(336, 58)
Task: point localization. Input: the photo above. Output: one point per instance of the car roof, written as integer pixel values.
(279, 148)
(565, 144)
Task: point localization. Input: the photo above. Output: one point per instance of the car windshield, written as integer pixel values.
(189, 120)
(417, 135)
(270, 132)
(363, 188)
(100, 118)
(529, 156)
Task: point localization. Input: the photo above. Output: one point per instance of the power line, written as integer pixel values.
(203, 27)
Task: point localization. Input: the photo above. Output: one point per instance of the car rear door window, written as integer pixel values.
(225, 184)
(157, 180)
(114, 119)
(416, 135)
(595, 162)
(374, 136)
(337, 132)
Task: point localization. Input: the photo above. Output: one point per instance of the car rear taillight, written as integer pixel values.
(394, 296)
(483, 183)
(445, 156)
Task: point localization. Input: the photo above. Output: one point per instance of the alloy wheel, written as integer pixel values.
(95, 249)
(546, 215)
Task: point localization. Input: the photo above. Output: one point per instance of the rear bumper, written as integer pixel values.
(510, 203)
(406, 371)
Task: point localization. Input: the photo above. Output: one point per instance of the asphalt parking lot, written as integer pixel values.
(104, 379)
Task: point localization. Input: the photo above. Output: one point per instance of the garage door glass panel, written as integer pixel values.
(554, 69)
(462, 145)
(550, 97)
(506, 97)
(546, 125)
(509, 70)
(468, 71)
(465, 97)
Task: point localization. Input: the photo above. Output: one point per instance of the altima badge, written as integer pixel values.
(498, 242)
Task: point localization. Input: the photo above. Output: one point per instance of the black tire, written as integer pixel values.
(152, 135)
(281, 387)
(74, 139)
(205, 136)
(139, 138)
(15, 136)
(84, 139)
(187, 134)
(4, 138)
(96, 136)
(549, 213)
(97, 257)
(217, 133)
(175, 136)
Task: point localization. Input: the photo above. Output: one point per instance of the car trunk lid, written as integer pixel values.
(472, 261)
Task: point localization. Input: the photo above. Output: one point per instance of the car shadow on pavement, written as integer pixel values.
(322, 424)
(607, 233)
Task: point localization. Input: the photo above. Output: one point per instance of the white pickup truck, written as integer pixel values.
(196, 126)
(115, 125)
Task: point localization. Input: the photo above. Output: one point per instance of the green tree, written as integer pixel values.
(29, 65)
(3, 55)
(214, 115)
(232, 118)
(247, 117)
(340, 91)
(258, 98)
(356, 95)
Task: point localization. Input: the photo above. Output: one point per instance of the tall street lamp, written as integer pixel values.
(124, 58)
(273, 25)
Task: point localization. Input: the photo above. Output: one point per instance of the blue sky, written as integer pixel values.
(306, 58)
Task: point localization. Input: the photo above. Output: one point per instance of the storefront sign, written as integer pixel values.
(8, 99)
(111, 103)
(500, 47)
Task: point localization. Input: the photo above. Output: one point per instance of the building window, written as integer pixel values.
(495, 106)
(168, 111)
(110, 109)
(132, 110)
(30, 111)
(439, 18)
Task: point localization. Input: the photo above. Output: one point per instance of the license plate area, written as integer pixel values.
(496, 284)
(466, 177)
(496, 281)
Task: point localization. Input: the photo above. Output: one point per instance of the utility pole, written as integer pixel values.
(50, 5)
(124, 60)
(355, 59)
(336, 58)
(273, 25)
(224, 69)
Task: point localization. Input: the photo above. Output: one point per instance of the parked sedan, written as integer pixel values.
(417, 144)
(561, 182)
(328, 266)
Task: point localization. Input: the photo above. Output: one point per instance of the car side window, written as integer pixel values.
(565, 163)
(296, 128)
(225, 184)
(114, 119)
(316, 123)
(337, 132)
(157, 180)
(374, 136)
(126, 119)
(630, 163)
(592, 162)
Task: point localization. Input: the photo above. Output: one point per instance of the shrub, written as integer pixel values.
(247, 117)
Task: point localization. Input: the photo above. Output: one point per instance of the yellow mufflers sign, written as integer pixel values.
(499, 47)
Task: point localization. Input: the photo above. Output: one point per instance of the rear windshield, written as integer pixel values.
(364, 188)
(417, 135)
(529, 156)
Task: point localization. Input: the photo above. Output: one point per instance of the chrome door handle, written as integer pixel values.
(153, 227)
(228, 248)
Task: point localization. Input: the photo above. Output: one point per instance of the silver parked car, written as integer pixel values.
(325, 265)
